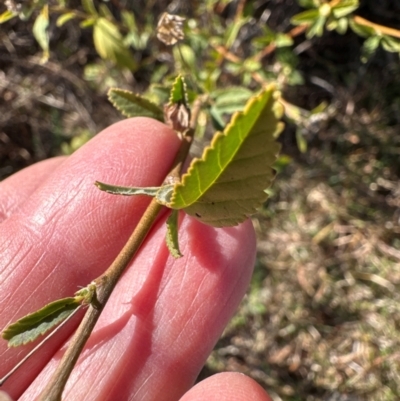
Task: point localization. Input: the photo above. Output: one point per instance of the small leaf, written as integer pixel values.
(127, 191)
(171, 238)
(89, 7)
(128, 18)
(344, 8)
(369, 47)
(62, 19)
(106, 12)
(132, 105)
(31, 326)
(178, 92)
(361, 30)
(227, 184)
(40, 32)
(109, 44)
(229, 100)
(176, 112)
(390, 44)
(301, 141)
(88, 22)
(7, 15)
(305, 17)
(283, 40)
(317, 28)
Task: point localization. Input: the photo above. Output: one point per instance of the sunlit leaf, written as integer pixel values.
(109, 44)
(344, 8)
(133, 105)
(31, 326)
(62, 19)
(227, 184)
(7, 15)
(88, 22)
(171, 237)
(40, 32)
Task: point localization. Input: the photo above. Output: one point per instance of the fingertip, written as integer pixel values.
(227, 386)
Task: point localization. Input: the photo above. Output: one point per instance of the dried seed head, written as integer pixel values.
(170, 28)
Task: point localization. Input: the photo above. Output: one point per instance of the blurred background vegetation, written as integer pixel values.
(321, 320)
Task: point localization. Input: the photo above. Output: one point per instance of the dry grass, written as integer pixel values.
(322, 319)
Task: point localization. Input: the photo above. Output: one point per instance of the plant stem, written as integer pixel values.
(105, 285)
(106, 282)
(379, 28)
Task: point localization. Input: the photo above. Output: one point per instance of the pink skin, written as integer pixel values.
(59, 232)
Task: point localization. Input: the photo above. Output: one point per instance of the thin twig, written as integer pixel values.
(107, 281)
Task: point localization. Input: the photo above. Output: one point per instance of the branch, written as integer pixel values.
(106, 282)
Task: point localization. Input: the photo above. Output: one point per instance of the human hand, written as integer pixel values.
(59, 232)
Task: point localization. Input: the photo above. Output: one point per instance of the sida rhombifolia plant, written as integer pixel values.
(222, 188)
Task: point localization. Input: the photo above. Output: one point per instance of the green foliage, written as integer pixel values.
(132, 105)
(31, 326)
(40, 31)
(333, 15)
(171, 237)
(109, 44)
(228, 183)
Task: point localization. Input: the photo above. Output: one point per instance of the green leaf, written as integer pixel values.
(105, 12)
(283, 40)
(231, 99)
(129, 21)
(7, 15)
(390, 44)
(227, 184)
(88, 22)
(233, 31)
(369, 46)
(89, 7)
(317, 28)
(186, 53)
(178, 92)
(171, 238)
(31, 326)
(109, 44)
(127, 191)
(344, 8)
(301, 141)
(40, 32)
(132, 105)
(305, 17)
(361, 30)
(62, 19)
